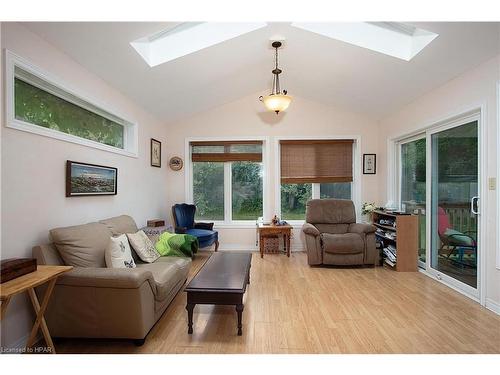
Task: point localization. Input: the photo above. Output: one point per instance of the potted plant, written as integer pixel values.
(367, 209)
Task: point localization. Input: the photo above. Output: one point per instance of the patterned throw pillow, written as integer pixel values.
(143, 246)
(118, 253)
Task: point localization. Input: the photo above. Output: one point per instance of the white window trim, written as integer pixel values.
(188, 180)
(130, 128)
(356, 182)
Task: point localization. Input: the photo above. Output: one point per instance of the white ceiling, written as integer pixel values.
(315, 67)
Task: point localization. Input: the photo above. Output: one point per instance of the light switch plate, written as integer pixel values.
(492, 183)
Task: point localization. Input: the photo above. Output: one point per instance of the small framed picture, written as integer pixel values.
(83, 179)
(155, 153)
(369, 163)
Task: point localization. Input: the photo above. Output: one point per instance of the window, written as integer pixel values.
(313, 169)
(337, 190)
(208, 190)
(293, 200)
(227, 180)
(246, 183)
(40, 105)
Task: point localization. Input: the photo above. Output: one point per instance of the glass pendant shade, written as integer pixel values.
(276, 102)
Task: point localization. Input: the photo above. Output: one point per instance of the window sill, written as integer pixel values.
(236, 225)
(296, 224)
(35, 129)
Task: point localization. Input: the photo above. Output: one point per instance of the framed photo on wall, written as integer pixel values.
(369, 163)
(155, 153)
(83, 179)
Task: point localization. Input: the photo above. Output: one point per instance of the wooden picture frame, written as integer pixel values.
(369, 163)
(84, 179)
(155, 153)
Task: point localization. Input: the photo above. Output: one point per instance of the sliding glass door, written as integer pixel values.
(438, 180)
(454, 204)
(413, 186)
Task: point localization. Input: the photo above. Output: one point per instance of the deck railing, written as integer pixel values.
(459, 215)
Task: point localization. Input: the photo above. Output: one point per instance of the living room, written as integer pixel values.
(283, 156)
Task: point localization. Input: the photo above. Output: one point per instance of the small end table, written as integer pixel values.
(268, 230)
(28, 283)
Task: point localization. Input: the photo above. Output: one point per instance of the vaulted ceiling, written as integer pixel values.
(315, 67)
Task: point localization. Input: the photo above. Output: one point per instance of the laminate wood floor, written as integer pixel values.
(293, 308)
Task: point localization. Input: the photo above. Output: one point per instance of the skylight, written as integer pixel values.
(187, 38)
(395, 39)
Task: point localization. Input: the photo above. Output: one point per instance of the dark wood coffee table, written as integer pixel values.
(222, 280)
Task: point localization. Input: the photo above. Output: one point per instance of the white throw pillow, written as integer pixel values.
(118, 253)
(143, 246)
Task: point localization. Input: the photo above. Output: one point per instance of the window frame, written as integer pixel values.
(315, 191)
(130, 128)
(228, 222)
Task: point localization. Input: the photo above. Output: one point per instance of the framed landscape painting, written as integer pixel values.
(84, 179)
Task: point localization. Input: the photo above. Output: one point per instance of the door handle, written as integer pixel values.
(474, 203)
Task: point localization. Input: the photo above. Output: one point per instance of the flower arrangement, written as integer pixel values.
(368, 208)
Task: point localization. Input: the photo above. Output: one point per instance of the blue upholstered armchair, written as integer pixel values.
(184, 223)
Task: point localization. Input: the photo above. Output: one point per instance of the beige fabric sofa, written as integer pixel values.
(93, 301)
(333, 236)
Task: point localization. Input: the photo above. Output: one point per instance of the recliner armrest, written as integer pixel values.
(361, 228)
(180, 230)
(310, 229)
(121, 278)
(207, 226)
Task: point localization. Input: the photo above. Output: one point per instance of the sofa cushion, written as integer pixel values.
(120, 225)
(348, 243)
(167, 273)
(82, 245)
(143, 246)
(118, 253)
(332, 228)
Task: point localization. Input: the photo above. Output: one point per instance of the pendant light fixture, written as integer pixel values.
(277, 100)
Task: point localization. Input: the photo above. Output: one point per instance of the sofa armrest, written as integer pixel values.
(361, 228)
(121, 278)
(180, 230)
(207, 226)
(310, 229)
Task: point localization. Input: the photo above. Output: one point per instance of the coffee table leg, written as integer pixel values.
(190, 308)
(239, 310)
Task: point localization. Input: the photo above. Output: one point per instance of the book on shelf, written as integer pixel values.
(389, 262)
(389, 255)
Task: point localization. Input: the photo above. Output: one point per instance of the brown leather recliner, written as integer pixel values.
(333, 236)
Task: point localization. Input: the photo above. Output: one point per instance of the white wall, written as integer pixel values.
(33, 173)
(474, 88)
(245, 118)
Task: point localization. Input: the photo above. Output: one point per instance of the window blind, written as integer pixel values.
(316, 161)
(222, 151)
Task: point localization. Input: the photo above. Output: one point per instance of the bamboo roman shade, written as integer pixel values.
(313, 161)
(221, 151)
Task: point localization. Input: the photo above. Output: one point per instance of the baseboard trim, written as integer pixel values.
(492, 305)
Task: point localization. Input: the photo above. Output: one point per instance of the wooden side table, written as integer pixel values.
(28, 283)
(266, 230)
